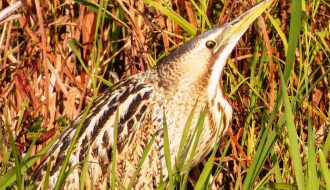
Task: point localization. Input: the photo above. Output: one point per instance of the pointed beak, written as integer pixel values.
(237, 27)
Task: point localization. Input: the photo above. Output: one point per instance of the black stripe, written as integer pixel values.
(128, 86)
(131, 137)
(95, 152)
(65, 142)
(125, 83)
(141, 113)
(100, 124)
(124, 96)
(59, 161)
(82, 153)
(132, 109)
(128, 118)
(105, 139)
(138, 88)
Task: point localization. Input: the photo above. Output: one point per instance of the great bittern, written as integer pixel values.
(188, 78)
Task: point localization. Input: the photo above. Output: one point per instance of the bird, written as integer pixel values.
(186, 79)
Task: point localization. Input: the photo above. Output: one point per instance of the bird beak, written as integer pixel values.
(236, 28)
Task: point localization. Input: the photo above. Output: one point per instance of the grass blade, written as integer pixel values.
(144, 156)
(174, 16)
(46, 182)
(17, 162)
(312, 178)
(295, 22)
(181, 158)
(167, 154)
(279, 31)
(84, 170)
(282, 186)
(95, 7)
(325, 170)
(326, 147)
(263, 150)
(203, 179)
(9, 178)
(197, 133)
(292, 135)
(74, 44)
(71, 147)
(114, 152)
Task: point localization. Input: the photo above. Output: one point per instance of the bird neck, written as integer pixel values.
(218, 64)
(181, 81)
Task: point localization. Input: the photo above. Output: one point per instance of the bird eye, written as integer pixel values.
(210, 44)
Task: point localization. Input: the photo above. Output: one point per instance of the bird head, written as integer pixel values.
(203, 58)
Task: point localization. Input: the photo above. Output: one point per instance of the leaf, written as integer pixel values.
(174, 16)
(292, 135)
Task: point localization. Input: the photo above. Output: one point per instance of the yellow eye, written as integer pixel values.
(210, 44)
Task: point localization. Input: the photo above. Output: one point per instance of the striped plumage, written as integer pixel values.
(187, 78)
